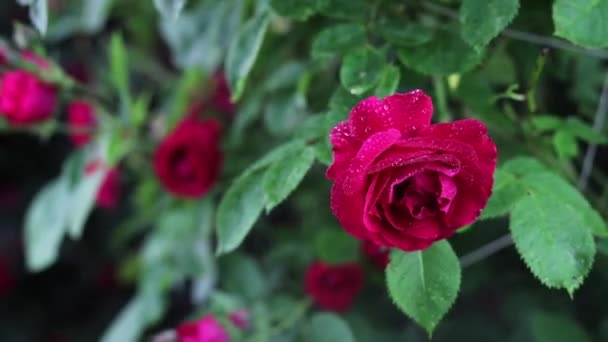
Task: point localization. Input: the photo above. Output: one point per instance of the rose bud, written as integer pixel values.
(109, 191)
(81, 119)
(402, 182)
(333, 287)
(24, 99)
(240, 319)
(378, 255)
(221, 99)
(203, 330)
(188, 160)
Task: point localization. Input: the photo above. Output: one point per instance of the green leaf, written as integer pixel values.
(554, 187)
(565, 144)
(170, 8)
(238, 211)
(285, 175)
(45, 225)
(556, 327)
(119, 71)
(389, 81)
(81, 17)
(546, 122)
(582, 21)
(403, 33)
(39, 15)
(295, 9)
(335, 246)
(128, 325)
(82, 200)
(447, 53)
(552, 239)
(243, 52)
(506, 192)
(342, 100)
(338, 40)
(353, 10)
(284, 114)
(583, 131)
(482, 20)
(285, 76)
(329, 327)
(240, 269)
(424, 284)
(361, 70)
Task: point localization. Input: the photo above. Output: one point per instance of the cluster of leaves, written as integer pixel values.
(353, 49)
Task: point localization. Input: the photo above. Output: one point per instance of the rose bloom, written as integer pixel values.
(81, 117)
(108, 194)
(402, 182)
(188, 160)
(378, 255)
(24, 99)
(333, 287)
(207, 329)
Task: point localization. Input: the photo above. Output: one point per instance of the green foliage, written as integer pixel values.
(170, 8)
(334, 246)
(356, 10)
(553, 241)
(389, 81)
(328, 327)
(119, 68)
(244, 51)
(582, 21)
(446, 53)
(406, 34)
(296, 9)
(482, 20)
(551, 327)
(285, 175)
(424, 284)
(38, 11)
(361, 70)
(337, 39)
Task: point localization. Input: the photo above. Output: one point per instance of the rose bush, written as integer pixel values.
(401, 181)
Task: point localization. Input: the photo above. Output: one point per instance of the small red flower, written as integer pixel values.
(207, 329)
(240, 319)
(3, 58)
(402, 182)
(188, 160)
(221, 99)
(7, 283)
(109, 191)
(81, 118)
(24, 99)
(334, 287)
(378, 255)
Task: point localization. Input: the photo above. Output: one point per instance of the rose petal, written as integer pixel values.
(405, 112)
(370, 150)
(345, 147)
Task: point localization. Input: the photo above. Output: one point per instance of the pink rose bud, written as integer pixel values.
(24, 99)
(240, 319)
(81, 119)
(207, 329)
(109, 192)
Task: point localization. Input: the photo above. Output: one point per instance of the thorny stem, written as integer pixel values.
(598, 126)
(526, 36)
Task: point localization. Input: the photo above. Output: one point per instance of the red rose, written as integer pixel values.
(24, 99)
(189, 159)
(402, 182)
(208, 329)
(334, 287)
(222, 97)
(81, 117)
(109, 191)
(378, 255)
